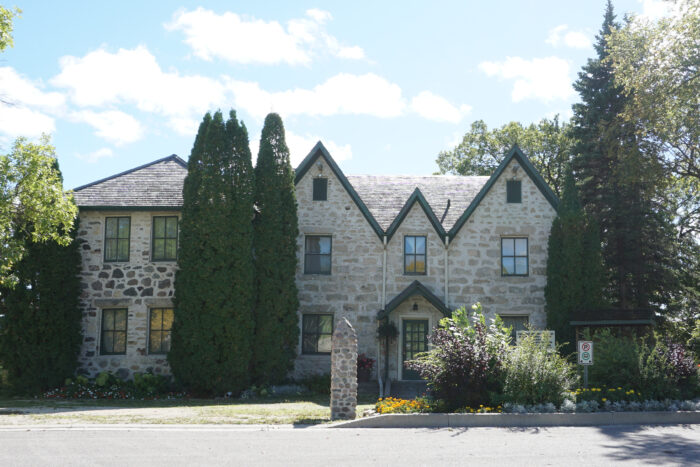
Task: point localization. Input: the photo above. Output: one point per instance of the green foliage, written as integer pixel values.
(212, 333)
(109, 386)
(547, 144)
(317, 384)
(33, 204)
(41, 333)
(617, 360)
(694, 342)
(656, 65)
(621, 186)
(276, 231)
(536, 374)
(6, 17)
(465, 365)
(574, 266)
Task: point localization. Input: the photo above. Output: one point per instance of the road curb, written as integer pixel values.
(454, 420)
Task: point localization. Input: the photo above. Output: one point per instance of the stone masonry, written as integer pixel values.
(344, 372)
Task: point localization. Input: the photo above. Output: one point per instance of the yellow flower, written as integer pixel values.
(604, 399)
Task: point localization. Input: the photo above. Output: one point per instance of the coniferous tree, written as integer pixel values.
(276, 231)
(574, 266)
(213, 329)
(620, 181)
(40, 334)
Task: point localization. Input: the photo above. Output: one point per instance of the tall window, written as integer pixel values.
(516, 323)
(161, 324)
(514, 257)
(117, 231)
(514, 191)
(113, 340)
(164, 245)
(414, 255)
(317, 331)
(317, 254)
(320, 189)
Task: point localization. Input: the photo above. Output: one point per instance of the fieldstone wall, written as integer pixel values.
(475, 253)
(138, 285)
(353, 290)
(344, 372)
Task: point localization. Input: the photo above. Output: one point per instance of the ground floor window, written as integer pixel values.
(516, 323)
(160, 326)
(317, 331)
(113, 339)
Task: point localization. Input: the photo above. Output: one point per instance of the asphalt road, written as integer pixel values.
(211, 445)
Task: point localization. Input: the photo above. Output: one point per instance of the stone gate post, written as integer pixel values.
(344, 371)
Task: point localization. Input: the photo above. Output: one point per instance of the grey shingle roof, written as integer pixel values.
(385, 195)
(157, 184)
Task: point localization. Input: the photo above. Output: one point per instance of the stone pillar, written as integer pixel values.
(344, 372)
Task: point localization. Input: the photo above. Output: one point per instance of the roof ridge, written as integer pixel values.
(172, 157)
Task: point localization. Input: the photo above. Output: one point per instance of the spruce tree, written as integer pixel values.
(40, 334)
(213, 329)
(620, 182)
(276, 231)
(574, 267)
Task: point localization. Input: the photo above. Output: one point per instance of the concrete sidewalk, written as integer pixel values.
(453, 420)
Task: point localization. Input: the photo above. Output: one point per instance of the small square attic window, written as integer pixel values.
(320, 189)
(514, 191)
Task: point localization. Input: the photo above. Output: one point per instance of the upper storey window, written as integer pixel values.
(514, 257)
(514, 191)
(317, 254)
(164, 238)
(414, 255)
(117, 232)
(320, 189)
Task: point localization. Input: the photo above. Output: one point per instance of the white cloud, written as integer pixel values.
(101, 79)
(434, 107)
(239, 39)
(299, 147)
(344, 93)
(19, 90)
(95, 156)
(562, 35)
(114, 126)
(546, 79)
(22, 121)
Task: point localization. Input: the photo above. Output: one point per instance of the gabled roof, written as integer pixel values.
(517, 154)
(319, 150)
(415, 288)
(156, 185)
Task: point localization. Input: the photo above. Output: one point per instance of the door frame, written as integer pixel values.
(399, 353)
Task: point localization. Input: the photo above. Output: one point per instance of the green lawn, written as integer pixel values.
(301, 410)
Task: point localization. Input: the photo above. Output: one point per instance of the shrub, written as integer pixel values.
(108, 386)
(536, 374)
(694, 342)
(464, 368)
(668, 372)
(318, 384)
(616, 360)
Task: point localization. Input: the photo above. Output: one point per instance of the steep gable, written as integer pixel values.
(156, 185)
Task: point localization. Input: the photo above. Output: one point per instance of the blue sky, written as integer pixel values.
(385, 85)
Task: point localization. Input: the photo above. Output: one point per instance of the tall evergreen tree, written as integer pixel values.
(620, 180)
(276, 231)
(40, 335)
(574, 266)
(213, 328)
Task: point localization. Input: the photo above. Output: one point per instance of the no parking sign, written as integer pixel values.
(585, 352)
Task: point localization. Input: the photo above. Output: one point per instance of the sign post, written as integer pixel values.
(585, 358)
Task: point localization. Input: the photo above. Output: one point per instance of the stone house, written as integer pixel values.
(399, 249)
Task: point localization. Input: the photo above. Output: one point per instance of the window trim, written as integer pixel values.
(150, 310)
(104, 244)
(330, 255)
(527, 256)
(520, 185)
(318, 334)
(313, 189)
(153, 238)
(408, 273)
(102, 331)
